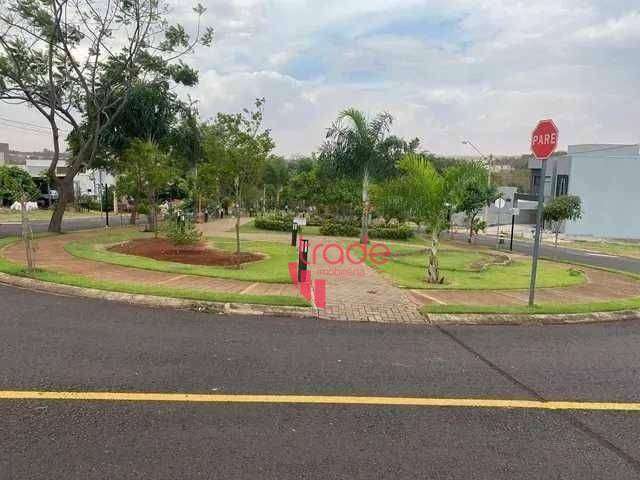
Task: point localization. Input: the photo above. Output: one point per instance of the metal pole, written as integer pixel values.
(513, 225)
(536, 244)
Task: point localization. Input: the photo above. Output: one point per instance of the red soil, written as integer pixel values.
(164, 250)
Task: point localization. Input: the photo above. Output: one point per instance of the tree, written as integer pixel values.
(239, 146)
(472, 192)
(150, 115)
(561, 209)
(14, 182)
(146, 171)
(355, 149)
(16, 185)
(76, 61)
(424, 193)
(276, 174)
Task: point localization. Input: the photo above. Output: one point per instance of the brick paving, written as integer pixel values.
(51, 255)
(354, 292)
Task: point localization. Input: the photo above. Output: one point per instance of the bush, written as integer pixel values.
(181, 231)
(339, 229)
(275, 222)
(400, 232)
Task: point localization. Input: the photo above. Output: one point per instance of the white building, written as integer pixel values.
(607, 179)
(89, 182)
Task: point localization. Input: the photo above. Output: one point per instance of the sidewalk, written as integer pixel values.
(51, 255)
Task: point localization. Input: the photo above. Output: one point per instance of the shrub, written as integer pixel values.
(274, 222)
(400, 232)
(181, 231)
(339, 229)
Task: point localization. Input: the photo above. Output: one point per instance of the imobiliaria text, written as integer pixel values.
(336, 256)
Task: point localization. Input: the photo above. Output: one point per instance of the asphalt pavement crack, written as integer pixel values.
(572, 419)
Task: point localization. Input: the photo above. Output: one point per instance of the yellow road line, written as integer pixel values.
(316, 399)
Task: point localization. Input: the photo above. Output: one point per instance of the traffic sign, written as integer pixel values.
(500, 203)
(544, 139)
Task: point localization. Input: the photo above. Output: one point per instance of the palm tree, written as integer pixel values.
(358, 150)
(424, 194)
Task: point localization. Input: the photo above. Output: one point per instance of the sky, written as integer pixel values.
(447, 70)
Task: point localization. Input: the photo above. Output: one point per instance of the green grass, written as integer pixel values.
(273, 269)
(625, 249)
(250, 227)
(8, 216)
(457, 267)
(542, 309)
(131, 288)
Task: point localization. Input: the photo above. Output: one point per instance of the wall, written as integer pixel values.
(607, 179)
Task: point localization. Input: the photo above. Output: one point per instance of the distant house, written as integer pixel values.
(606, 178)
(86, 183)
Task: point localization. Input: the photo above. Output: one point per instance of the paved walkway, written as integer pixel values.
(353, 291)
(51, 255)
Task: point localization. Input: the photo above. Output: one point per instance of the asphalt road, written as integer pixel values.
(70, 224)
(54, 343)
(624, 264)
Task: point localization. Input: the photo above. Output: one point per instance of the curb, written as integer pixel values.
(525, 319)
(156, 301)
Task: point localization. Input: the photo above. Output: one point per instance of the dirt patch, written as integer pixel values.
(163, 250)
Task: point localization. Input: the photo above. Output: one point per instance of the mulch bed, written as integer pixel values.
(200, 254)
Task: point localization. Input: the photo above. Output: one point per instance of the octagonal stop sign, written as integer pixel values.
(544, 139)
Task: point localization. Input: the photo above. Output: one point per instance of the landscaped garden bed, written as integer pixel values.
(268, 260)
(163, 250)
(468, 269)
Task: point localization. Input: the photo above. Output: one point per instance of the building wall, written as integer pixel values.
(607, 179)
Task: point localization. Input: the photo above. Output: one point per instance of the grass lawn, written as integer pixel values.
(460, 270)
(625, 249)
(136, 288)
(250, 227)
(9, 216)
(545, 308)
(273, 269)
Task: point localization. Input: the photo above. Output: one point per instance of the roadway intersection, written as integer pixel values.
(57, 344)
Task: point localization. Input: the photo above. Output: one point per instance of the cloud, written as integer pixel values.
(447, 70)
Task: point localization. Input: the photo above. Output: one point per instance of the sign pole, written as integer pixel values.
(536, 244)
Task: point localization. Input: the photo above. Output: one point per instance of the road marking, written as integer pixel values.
(316, 399)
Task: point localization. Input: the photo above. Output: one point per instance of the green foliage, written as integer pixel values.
(181, 231)
(335, 228)
(471, 192)
(279, 223)
(561, 209)
(15, 184)
(399, 232)
(276, 174)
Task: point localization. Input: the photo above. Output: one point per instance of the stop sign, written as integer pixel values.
(544, 139)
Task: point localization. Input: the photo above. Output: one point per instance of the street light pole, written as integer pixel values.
(489, 159)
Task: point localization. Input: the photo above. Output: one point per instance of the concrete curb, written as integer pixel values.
(158, 302)
(525, 319)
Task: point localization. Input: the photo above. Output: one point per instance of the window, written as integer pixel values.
(562, 185)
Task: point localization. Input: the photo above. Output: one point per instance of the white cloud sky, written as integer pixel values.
(447, 70)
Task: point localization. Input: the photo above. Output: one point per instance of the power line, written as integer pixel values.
(29, 125)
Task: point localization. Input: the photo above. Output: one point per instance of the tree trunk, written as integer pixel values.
(134, 213)
(557, 233)
(433, 270)
(471, 222)
(65, 196)
(364, 234)
(26, 233)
